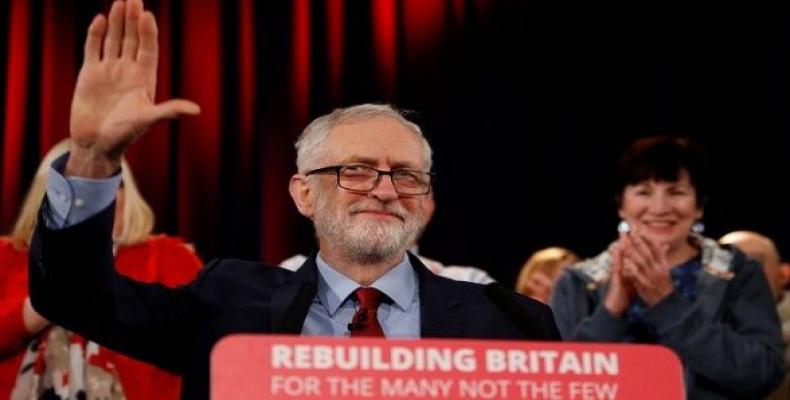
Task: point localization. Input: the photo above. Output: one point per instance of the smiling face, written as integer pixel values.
(366, 226)
(662, 211)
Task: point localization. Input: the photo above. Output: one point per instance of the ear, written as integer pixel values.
(300, 193)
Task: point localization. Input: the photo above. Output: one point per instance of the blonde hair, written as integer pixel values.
(136, 215)
(549, 261)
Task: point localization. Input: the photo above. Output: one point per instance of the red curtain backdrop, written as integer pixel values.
(527, 104)
(260, 72)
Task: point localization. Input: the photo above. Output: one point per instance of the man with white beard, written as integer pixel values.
(456, 272)
(362, 173)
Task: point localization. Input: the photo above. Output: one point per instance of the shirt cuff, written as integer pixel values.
(75, 199)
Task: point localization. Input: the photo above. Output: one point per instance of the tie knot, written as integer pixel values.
(369, 298)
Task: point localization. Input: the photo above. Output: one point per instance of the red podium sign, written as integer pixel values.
(292, 367)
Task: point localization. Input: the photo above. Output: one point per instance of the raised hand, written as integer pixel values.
(113, 102)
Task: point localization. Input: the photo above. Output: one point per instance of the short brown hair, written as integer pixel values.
(664, 158)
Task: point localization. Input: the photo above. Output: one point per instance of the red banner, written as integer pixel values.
(293, 367)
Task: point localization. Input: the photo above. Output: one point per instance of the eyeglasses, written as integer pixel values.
(360, 178)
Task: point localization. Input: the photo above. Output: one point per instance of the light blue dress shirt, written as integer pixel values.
(73, 200)
(333, 306)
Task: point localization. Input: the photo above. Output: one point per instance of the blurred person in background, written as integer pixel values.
(777, 271)
(664, 283)
(38, 360)
(540, 272)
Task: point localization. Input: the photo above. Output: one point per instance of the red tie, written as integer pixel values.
(366, 322)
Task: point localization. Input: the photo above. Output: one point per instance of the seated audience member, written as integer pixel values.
(456, 272)
(33, 352)
(764, 250)
(662, 282)
(540, 272)
(362, 173)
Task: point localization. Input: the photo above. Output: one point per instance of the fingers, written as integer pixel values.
(134, 9)
(637, 275)
(644, 266)
(93, 42)
(112, 42)
(629, 269)
(636, 262)
(632, 271)
(171, 109)
(651, 249)
(645, 254)
(623, 253)
(617, 258)
(120, 32)
(148, 52)
(636, 254)
(643, 247)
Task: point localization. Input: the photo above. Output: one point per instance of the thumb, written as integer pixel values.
(172, 109)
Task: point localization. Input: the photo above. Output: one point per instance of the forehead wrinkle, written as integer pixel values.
(362, 147)
(372, 162)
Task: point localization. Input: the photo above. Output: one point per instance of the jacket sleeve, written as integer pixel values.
(73, 283)
(579, 317)
(534, 319)
(742, 351)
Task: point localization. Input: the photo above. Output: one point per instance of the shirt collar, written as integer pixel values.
(399, 284)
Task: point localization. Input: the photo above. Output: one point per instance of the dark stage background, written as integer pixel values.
(527, 104)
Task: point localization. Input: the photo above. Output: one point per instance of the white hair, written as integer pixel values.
(308, 146)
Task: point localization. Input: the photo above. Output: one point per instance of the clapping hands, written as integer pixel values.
(639, 268)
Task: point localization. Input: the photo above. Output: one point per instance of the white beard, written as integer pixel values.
(366, 240)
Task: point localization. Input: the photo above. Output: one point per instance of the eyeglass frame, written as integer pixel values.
(337, 168)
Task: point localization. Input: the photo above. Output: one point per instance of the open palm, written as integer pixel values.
(113, 102)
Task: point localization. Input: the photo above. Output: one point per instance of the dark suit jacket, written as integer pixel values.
(73, 284)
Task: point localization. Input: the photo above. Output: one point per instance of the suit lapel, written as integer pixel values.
(439, 304)
(291, 301)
